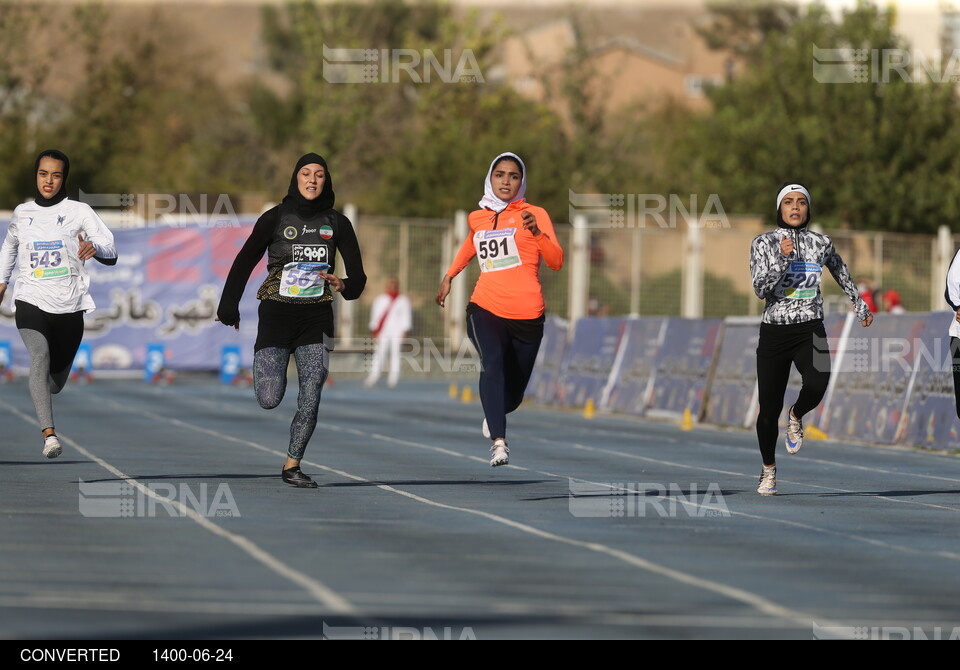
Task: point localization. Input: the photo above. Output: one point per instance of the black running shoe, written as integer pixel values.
(295, 477)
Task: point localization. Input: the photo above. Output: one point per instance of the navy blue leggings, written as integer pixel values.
(506, 364)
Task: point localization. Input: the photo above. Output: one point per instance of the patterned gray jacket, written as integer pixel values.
(791, 284)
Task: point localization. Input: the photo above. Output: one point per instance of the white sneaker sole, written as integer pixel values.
(495, 462)
(52, 450)
(485, 429)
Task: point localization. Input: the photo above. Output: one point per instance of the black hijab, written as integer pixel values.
(783, 224)
(324, 201)
(61, 195)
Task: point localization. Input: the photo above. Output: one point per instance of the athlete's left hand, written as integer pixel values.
(530, 222)
(866, 322)
(334, 281)
(87, 250)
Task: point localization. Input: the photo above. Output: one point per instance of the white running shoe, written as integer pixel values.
(794, 433)
(499, 454)
(485, 429)
(51, 447)
(768, 481)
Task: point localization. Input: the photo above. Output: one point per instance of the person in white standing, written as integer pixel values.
(51, 239)
(952, 296)
(391, 318)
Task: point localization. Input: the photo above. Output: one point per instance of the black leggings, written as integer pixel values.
(506, 363)
(52, 341)
(804, 345)
(955, 359)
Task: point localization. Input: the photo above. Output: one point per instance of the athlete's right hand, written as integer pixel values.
(235, 324)
(444, 290)
(786, 246)
(3, 289)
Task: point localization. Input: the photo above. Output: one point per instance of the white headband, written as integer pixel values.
(790, 188)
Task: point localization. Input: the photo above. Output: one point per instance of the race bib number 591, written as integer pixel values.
(497, 249)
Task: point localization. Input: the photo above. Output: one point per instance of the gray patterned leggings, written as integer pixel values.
(270, 383)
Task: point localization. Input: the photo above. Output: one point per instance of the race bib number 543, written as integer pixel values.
(497, 249)
(47, 260)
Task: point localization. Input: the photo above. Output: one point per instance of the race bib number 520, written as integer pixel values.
(800, 282)
(497, 249)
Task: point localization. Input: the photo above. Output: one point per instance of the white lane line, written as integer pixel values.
(949, 555)
(762, 605)
(321, 593)
(604, 431)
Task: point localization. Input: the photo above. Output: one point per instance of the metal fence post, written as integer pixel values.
(579, 269)
(347, 308)
(457, 300)
(942, 256)
(692, 297)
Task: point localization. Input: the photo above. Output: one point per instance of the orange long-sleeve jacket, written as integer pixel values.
(515, 292)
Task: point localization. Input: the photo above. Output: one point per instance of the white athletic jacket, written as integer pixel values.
(44, 242)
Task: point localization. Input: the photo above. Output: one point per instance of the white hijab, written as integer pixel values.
(489, 199)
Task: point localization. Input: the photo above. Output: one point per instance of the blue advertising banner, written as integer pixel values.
(544, 386)
(871, 376)
(634, 368)
(683, 365)
(834, 325)
(6, 362)
(83, 361)
(930, 418)
(731, 396)
(164, 288)
(590, 358)
(229, 363)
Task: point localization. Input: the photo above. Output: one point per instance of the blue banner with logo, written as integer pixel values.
(732, 394)
(930, 418)
(590, 357)
(683, 365)
(164, 288)
(544, 386)
(634, 367)
(834, 325)
(872, 373)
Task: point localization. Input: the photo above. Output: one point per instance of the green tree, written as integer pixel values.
(398, 145)
(880, 154)
(22, 72)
